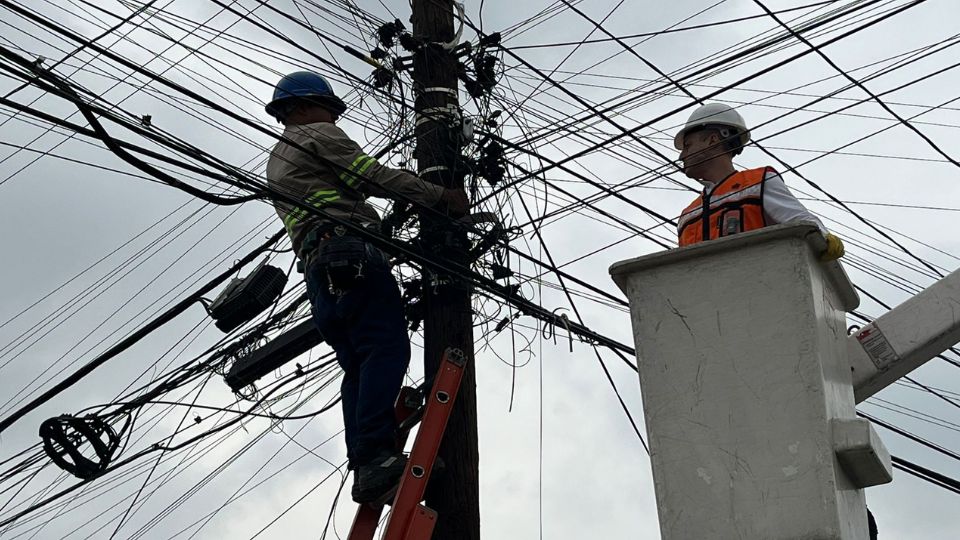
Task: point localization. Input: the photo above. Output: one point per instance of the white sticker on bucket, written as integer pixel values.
(877, 347)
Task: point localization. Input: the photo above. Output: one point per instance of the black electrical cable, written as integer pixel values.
(668, 31)
(84, 45)
(124, 144)
(526, 306)
(143, 165)
(911, 436)
(740, 54)
(240, 492)
(929, 475)
(859, 84)
(791, 168)
(142, 332)
(107, 32)
(615, 138)
(157, 447)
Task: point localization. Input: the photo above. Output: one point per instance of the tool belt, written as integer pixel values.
(341, 256)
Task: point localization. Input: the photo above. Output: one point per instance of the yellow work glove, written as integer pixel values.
(834, 248)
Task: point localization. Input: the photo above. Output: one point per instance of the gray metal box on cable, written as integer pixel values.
(277, 352)
(245, 298)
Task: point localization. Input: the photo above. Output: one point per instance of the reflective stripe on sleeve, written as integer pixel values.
(323, 196)
(293, 218)
(359, 166)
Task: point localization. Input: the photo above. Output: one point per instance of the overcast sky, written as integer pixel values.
(559, 459)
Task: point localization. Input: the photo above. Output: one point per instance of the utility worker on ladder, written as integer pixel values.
(733, 201)
(355, 299)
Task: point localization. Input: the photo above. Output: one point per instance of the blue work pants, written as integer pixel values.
(366, 327)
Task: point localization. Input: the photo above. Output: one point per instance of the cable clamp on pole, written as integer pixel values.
(438, 89)
(436, 168)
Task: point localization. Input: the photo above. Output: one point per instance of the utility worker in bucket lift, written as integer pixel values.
(733, 201)
(355, 299)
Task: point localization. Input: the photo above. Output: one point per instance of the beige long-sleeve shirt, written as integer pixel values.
(338, 192)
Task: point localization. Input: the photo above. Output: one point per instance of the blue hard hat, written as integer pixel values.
(304, 85)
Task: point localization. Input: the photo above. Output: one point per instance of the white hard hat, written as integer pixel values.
(714, 114)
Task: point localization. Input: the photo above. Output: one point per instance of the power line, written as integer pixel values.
(546, 115)
(669, 30)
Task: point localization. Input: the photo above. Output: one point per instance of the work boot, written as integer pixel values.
(355, 490)
(379, 477)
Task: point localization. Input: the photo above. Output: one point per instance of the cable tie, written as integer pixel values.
(435, 168)
(438, 89)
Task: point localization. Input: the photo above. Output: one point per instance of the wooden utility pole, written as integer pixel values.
(448, 322)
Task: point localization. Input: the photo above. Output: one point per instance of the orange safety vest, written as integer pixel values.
(734, 205)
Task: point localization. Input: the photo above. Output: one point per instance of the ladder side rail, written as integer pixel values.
(403, 523)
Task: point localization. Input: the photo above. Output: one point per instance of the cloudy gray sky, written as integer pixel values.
(91, 253)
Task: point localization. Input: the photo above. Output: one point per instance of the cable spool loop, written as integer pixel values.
(66, 437)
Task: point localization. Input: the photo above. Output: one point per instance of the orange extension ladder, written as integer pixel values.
(410, 519)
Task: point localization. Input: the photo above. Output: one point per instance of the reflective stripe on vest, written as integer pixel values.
(318, 199)
(351, 176)
(732, 206)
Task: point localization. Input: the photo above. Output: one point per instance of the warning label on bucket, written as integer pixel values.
(877, 347)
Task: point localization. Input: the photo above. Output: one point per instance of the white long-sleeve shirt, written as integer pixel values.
(779, 204)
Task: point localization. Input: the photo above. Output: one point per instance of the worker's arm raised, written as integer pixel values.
(365, 174)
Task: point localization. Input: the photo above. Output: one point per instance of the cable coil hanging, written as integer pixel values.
(65, 436)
